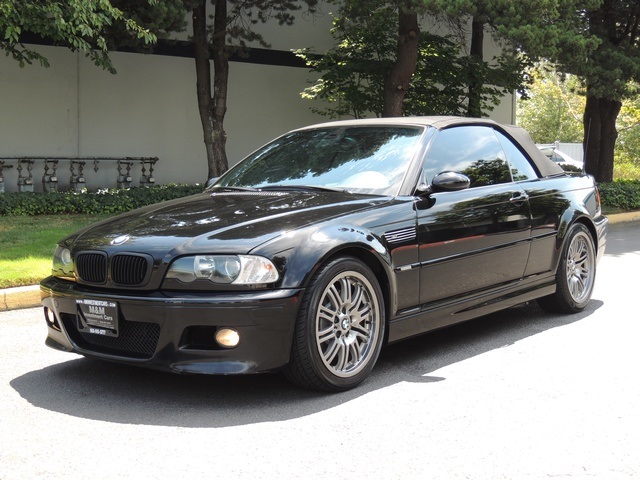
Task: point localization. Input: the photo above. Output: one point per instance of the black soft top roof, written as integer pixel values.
(545, 165)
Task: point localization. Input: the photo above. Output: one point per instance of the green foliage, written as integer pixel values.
(78, 24)
(108, 201)
(553, 107)
(628, 126)
(626, 171)
(160, 17)
(623, 194)
(544, 28)
(616, 59)
(244, 15)
(352, 73)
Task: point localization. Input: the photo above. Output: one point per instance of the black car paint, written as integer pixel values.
(430, 253)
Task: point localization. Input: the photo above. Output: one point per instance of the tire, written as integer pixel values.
(340, 328)
(576, 273)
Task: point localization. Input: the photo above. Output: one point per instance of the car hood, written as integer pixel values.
(222, 222)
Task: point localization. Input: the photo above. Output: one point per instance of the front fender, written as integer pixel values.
(300, 253)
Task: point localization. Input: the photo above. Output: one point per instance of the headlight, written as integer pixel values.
(62, 263)
(224, 269)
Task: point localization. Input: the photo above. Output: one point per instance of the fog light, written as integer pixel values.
(227, 337)
(51, 319)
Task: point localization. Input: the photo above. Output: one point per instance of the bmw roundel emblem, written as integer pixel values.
(120, 240)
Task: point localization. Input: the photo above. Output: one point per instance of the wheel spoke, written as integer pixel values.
(327, 313)
(334, 297)
(332, 351)
(346, 323)
(325, 335)
(343, 356)
(580, 265)
(345, 290)
(353, 353)
(356, 298)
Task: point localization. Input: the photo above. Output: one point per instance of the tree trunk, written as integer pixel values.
(212, 109)
(220, 86)
(399, 77)
(600, 136)
(474, 107)
(203, 81)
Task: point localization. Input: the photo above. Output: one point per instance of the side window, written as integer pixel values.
(472, 150)
(521, 168)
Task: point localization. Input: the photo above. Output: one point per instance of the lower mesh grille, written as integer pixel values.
(135, 339)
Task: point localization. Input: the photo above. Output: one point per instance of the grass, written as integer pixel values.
(27, 244)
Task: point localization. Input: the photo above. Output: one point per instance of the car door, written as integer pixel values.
(478, 238)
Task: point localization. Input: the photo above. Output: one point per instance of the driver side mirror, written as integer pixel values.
(450, 182)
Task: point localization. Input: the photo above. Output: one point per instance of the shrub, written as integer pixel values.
(107, 201)
(623, 194)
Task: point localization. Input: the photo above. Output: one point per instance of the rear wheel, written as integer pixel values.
(340, 327)
(576, 273)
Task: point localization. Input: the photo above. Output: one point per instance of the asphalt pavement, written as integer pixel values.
(520, 394)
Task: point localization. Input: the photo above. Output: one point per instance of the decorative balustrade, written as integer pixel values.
(123, 176)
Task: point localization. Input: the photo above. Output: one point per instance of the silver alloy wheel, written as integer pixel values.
(347, 324)
(580, 268)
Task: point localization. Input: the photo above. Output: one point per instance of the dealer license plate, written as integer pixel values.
(98, 317)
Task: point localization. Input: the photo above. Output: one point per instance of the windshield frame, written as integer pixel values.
(408, 138)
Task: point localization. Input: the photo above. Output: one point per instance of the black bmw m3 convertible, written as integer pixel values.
(322, 246)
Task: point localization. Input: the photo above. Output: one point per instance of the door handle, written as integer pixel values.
(519, 197)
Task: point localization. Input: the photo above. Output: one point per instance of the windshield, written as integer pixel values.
(370, 160)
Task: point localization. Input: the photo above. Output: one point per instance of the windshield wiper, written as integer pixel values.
(305, 188)
(232, 189)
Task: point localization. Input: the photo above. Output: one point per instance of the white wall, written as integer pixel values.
(149, 109)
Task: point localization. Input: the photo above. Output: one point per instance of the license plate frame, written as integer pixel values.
(98, 317)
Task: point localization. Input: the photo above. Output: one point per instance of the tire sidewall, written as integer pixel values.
(562, 280)
(322, 279)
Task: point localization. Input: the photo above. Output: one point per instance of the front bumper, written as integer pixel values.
(176, 332)
(601, 225)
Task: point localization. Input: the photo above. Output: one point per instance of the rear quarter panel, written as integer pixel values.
(556, 203)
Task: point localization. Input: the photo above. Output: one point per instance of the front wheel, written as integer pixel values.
(340, 327)
(576, 273)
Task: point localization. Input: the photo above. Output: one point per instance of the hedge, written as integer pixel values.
(622, 194)
(107, 201)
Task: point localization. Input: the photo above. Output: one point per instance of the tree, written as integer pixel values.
(399, 67)
(80, 25)
(535, 29)
(554, 111)
(599, 41)
(161, 17)
(628, 127)
(553, 107)
(607, 73)
(353, 73)
(356, 72)
(398, 79)
(231, 31)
